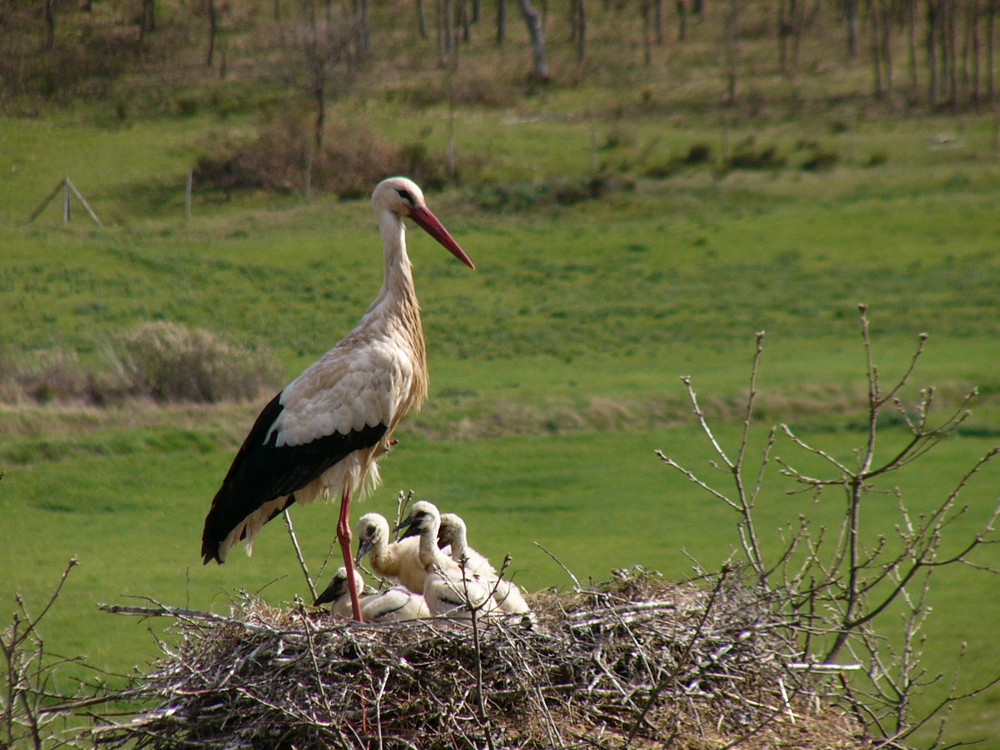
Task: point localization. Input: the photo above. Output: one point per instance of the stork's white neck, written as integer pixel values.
(459, 543)
(429, 552)
(398, 283)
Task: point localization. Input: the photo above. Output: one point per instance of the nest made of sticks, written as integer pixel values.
(635, 662)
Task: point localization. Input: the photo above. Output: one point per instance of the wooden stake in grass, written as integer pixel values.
(68, 189)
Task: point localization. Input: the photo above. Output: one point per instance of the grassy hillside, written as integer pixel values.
(555, 365)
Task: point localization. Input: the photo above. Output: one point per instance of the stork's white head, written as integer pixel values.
(400, 196)
(424, 516)
(373, 530)
(452, 530)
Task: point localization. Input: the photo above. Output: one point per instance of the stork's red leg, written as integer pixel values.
(344, 537)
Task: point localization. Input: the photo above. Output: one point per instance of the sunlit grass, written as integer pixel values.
(555, 366)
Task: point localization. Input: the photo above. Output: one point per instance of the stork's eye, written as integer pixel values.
(405, 195)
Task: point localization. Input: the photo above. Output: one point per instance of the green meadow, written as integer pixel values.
(555, 366)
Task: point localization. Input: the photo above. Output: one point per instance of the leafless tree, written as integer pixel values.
(646, 9)
(421, 19)
(362, 44)
(213, 30)
(533, 20)
(325, 40)
(881, 38)
(792, 21)
(851, 19)
(49, 12)
(501, 21)
(838, 583)
(578, 28)
(147, 18)
(992, 6)
(445, 30)
(730, 47)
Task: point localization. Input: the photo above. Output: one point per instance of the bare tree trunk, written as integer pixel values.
(851, 15)
(682, 19)
(463, 20)
(881, 51)
(445, 30)
(911, 43)
(362, 29)
(646, 8)
(540, 68)
(785, 22)
(798, 25)
(991, 15)
(952, 46)
(658, 21)
(933, 21)
(50, 23)
(974, 53)
(730, 48)
(147, 19)
(421, 19)
(213, 30)
(501, 21)
(579, 26)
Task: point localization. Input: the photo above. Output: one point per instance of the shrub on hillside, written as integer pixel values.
(563, 191)
(820, 160)
(162, 361)
(58, 376)
(350, 162)
(750, 157)
(173, 363)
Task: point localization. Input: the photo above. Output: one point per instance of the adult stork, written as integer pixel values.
(326, 430)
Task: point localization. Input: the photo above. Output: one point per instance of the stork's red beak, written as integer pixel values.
(430, 224)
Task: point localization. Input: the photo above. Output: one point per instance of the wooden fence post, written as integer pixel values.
(68, 189)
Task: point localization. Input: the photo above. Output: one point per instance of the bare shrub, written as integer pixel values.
(350, 162)
(844, 587)
(58, 376)
(562, 191)
(30, 703)
(748, 156)
(173, 363)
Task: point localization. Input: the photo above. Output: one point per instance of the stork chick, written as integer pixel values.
(448, 589)
(508, 596)
(394, 604)
(398, 560)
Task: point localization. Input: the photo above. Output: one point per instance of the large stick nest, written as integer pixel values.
(634, 662)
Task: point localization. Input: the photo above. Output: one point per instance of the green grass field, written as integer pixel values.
(555, 366)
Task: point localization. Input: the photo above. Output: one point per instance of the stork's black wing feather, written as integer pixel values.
(263, 471)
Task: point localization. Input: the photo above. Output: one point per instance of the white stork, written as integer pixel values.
(395, 604)
(397, 560)
(325, 431)
(508, 595)
(448, 590)
(338, 594)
